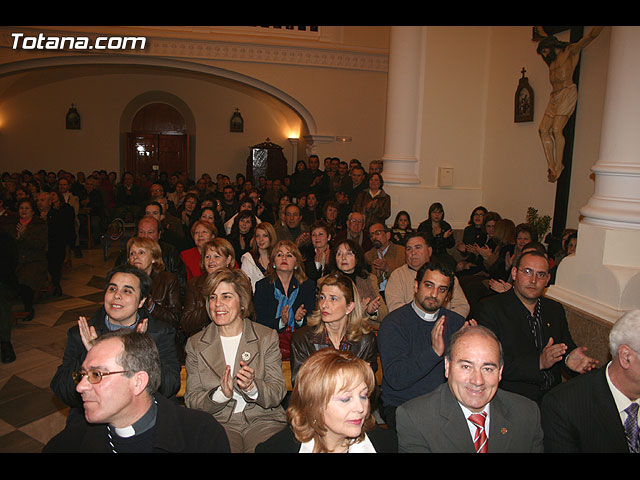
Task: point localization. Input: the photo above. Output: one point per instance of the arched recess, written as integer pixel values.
(147, 99)
(165, 63)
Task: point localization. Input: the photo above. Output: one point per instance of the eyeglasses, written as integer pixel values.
(93, 375)
(529, 272)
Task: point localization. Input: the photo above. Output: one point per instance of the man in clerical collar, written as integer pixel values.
(399, 289)
(469, 413)
(123, 411)
(412, 340)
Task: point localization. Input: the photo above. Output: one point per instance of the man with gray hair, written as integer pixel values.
(123, 412)
(598, 411)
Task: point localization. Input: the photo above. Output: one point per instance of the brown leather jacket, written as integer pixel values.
(307, 340)
(165, 293)
(194, 314)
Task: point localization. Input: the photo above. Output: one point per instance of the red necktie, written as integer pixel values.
(480, 438)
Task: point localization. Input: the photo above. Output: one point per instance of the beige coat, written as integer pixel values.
(205, 365)
(401, 286)
(395, 257)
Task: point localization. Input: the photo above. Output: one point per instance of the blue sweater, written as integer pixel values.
(409, 364)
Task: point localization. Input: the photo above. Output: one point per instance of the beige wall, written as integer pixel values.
(470, 78)
(471, 75)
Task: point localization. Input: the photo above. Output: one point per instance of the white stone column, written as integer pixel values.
(404, 102)
(603, 277)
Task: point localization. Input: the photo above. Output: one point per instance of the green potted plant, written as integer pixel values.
(541, 224)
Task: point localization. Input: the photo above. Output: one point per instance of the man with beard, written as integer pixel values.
(412, 340)
(399, 289)
(562, 59)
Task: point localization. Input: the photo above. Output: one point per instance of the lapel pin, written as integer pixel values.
(246, 356)
(503, 430)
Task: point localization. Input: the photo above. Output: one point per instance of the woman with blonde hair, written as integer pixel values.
(256, 261)
(285, 295)
(164, 302)
(216, 254)
(330, 411)
(234, 369)
(338, 322)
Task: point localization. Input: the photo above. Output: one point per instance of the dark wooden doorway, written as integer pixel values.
(158, 141)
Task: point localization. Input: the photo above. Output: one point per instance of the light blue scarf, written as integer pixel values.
(284, 300)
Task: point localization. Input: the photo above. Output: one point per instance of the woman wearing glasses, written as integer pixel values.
(234, 369)
(348, 258)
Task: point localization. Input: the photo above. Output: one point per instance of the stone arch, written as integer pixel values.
(165, 63)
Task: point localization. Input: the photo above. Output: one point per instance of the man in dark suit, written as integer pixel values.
(533, 331)
(470, 413)
(590, 413)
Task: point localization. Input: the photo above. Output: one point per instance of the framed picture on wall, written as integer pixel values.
(523, 108)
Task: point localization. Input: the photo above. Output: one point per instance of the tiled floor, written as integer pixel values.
(30, 414)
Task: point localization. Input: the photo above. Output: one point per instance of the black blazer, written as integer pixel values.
(581, 416)
(506, 316)
(383, 440)
(266, 304)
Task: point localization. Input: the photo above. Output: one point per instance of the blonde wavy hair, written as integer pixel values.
(222, 247)
(325, 373)
(357, 324)
(299, 273)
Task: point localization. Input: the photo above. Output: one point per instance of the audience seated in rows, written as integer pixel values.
(283, 240)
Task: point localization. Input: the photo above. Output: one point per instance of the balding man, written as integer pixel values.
(469, 413)
(355, 231)
(399, 290)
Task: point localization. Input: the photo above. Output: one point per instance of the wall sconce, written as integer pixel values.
(237, 122)
(73, 118)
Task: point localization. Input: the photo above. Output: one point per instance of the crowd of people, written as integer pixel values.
(231, 279)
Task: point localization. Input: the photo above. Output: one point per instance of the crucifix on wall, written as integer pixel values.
(557, 128)
(562, 59)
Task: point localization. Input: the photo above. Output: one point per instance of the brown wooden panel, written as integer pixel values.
(159, 118)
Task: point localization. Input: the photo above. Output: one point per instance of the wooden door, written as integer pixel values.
(158, 141)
